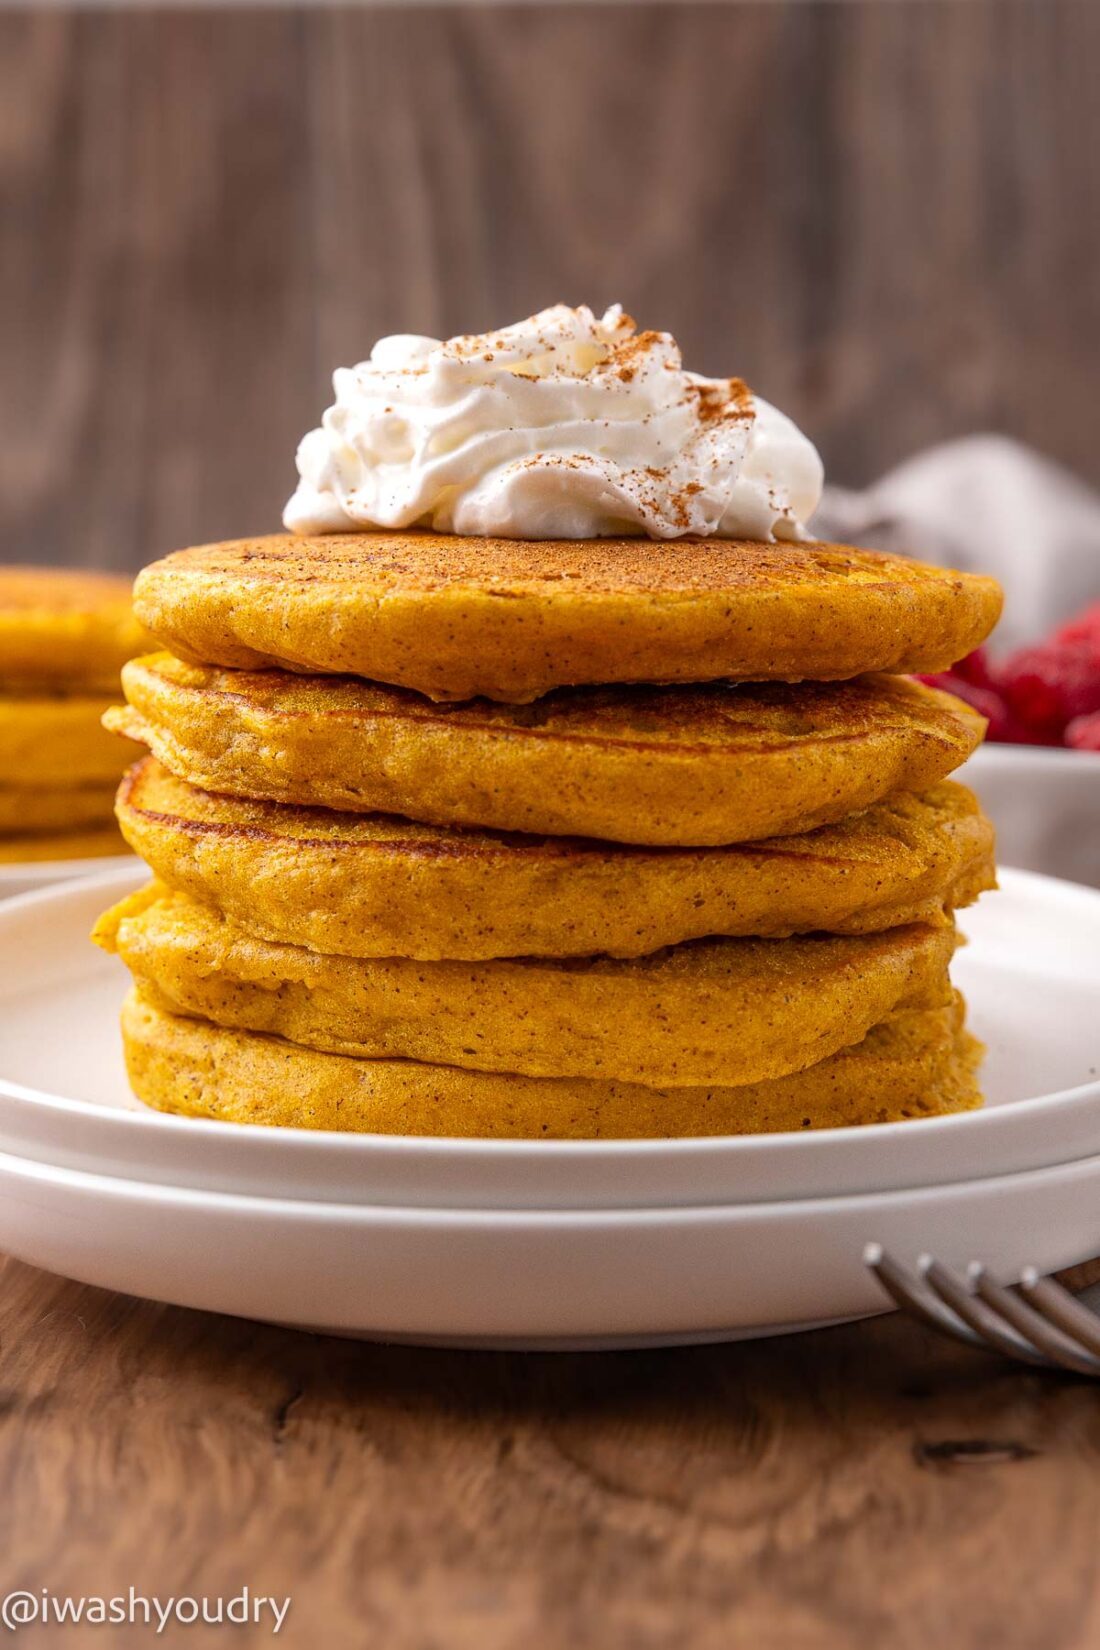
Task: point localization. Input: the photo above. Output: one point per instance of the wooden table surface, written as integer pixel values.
(868, 1487)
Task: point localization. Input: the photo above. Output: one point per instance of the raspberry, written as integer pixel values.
(974, 668)
(1083, 733)
(1003, 728)
(1084, 628)
(1051, 684)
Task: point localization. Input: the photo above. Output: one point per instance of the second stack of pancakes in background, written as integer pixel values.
(64, 636)
(528, 827)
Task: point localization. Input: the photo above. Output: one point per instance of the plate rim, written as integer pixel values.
(61, 872)
(441, 1217)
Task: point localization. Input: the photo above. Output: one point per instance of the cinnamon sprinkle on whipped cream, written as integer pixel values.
(563, 426)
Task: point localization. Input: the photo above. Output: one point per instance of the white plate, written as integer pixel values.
(524, 1278)
(25, 878)
(1032, 973)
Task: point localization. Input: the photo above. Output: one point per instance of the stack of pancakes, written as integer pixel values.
(457, 836)
(64, 637)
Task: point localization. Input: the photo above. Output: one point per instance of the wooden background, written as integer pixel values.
(885, 216)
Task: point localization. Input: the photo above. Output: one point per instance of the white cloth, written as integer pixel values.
(990, 505)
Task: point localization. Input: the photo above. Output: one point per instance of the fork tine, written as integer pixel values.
(1061, 1308)
(909, 1293)
(982, 1319)
(1032, 1325)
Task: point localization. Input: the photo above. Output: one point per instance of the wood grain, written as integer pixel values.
(884, 216)
(852, 1489)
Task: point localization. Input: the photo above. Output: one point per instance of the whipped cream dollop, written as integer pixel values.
(563, 426)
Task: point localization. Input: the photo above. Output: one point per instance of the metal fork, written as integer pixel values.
(1036, 1321)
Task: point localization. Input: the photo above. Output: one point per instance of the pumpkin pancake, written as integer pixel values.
(684, 766)
(461, 618)
(57, 741)
(917, 1064)
(374, 886)
(65, 627)
(26, 812)
(90, 844)
(714, 1011)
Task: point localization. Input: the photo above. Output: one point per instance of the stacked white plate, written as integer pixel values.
(501, 1243)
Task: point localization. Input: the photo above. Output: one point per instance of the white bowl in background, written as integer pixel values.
(1046, 807)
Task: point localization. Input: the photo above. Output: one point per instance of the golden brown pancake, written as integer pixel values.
(65, 627)
(374, 886)
(26, 812)
(918, 1064)
(715, 1011)
(461, 618)
(38, 846)
(57, 742)
(684, 766)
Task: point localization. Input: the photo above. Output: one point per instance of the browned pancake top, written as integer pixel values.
(149, 789)
(906, 825)
(421, 561)
(735, 717)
